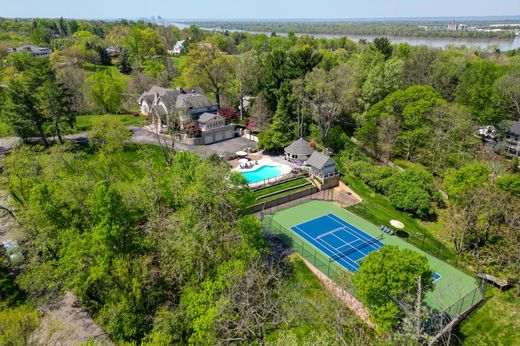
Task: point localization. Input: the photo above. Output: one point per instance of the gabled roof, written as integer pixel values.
(193, 100)
(299, 147)
(205, 117)
(318, 160)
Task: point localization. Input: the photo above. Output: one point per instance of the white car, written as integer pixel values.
(13, 250)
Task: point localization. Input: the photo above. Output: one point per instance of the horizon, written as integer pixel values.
(265, 10)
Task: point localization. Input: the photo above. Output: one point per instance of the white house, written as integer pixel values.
(177, 48)
(321, 165)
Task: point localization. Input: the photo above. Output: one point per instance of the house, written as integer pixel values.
(504, 137)
(298, 151)
(177, 48)
(166, 105)
(113, 51)
(214, 129)
(39, 52)
(321, 166)
(169, 107)
(510, 144)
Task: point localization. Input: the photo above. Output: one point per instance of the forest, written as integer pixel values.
(157, 244)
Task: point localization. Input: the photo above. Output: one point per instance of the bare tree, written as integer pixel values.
(260, 115)
(254, 304)
(327, 93)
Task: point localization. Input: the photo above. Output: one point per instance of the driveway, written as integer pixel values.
(230, 146)
(143, 136)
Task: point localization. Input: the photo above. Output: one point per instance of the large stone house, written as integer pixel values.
(169, 107)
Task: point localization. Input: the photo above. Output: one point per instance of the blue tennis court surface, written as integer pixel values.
(338, 239)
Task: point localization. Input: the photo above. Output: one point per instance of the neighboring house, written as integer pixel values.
(321, 166)
(113, 51)
(298, 151)
(511, 137)
(214, 129)
(177, 48)
(168, 107)
(505, 137)
(39, 52)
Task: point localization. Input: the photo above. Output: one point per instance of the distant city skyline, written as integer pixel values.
(264, 9)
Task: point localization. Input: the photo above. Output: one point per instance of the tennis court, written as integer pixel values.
(339, 240)
(450, 283)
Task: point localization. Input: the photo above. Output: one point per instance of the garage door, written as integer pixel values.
(219, 136)
(209, 139)
(230, 134)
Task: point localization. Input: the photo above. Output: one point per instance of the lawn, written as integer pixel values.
(496, 322)
(280, 187)
(84, 122)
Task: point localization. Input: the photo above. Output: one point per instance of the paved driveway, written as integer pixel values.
(230, 146)
(143, 136)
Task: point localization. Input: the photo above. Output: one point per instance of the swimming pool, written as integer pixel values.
(262, 173)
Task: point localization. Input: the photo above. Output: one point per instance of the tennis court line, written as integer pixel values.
(354, 230)
(327, 246)
(330, 232)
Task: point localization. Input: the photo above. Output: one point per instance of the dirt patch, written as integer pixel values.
(65, 322)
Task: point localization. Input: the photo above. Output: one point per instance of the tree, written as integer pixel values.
(281, 132)
(247, 73)
(384, 45)
(509, 86)
(207, 67)
(124, 64)
(143, 44)
(327, 93)
(34, 99)
(382, 80)
(106, 91)
(55, 104)
(73, 80)
(386, 277)
(477, 91)
(260, 115)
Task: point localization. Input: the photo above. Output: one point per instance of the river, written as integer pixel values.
(502, 44)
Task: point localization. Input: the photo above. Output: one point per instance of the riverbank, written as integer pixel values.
(434, 42)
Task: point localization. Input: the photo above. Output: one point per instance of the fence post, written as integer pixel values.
(474, 294)
(461, 304)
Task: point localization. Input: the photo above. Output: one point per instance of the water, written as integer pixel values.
(477, 43)
(262, 173)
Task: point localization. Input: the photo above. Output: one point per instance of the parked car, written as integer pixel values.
(13, 251)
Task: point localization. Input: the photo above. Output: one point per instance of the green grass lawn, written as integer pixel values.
(453, 285)
(84, 122)
(496, 322)
(280, 187)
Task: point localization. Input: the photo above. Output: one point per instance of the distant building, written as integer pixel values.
(453, 26)
(505, 137)
(39, 52)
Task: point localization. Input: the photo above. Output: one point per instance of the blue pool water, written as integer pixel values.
(262, 173)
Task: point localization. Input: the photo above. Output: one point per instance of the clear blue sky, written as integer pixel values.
(216, 9)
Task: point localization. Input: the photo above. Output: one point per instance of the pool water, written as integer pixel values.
(262, 173)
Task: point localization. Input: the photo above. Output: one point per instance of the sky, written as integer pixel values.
(261, 9)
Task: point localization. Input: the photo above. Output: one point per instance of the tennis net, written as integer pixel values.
(357, 248)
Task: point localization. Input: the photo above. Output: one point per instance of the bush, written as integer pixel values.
(411, 190)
